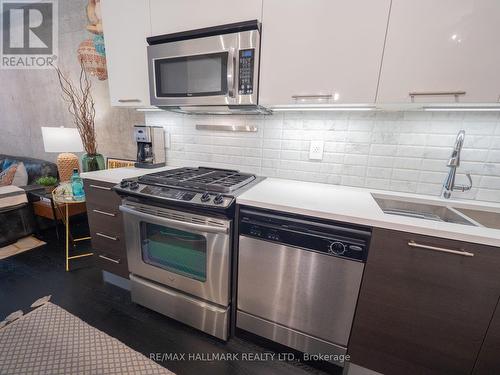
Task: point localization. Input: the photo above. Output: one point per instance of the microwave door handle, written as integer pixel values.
(231, 72)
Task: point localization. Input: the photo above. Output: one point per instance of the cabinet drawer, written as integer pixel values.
(112, 263)
(113, 243)
(425, 304)
(104, 219)
(100, 194)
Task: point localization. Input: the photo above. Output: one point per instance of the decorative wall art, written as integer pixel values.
(91, 52)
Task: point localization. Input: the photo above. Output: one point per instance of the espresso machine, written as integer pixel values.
(150, 146)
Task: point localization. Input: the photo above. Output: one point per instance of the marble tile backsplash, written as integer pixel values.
(399, 151)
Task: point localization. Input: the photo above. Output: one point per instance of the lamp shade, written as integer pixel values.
(61, 140)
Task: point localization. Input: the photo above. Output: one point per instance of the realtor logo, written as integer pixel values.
(28, 34)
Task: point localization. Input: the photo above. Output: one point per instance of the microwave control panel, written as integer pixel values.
(245, 72)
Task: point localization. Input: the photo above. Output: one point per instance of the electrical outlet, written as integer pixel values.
(316, 150)
(167, 139)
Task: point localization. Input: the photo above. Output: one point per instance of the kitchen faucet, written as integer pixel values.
(453, 164)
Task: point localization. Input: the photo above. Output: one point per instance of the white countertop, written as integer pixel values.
(357, 206)
(341, 203)
(115, 175)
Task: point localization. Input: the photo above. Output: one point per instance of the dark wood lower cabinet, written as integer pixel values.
(106, 227)
(488, 362)
(422, 310)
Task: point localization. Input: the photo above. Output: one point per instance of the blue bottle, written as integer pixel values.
(77, 186)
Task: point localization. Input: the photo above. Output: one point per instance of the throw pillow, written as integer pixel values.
(7, 176)
(21, 176)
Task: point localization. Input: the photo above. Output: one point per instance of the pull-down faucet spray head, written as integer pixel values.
(455, 155)
(454, 162)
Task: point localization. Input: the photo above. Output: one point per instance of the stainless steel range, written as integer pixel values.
(178, 230)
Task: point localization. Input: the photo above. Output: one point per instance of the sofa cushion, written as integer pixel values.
(34, 167)
(7, 175)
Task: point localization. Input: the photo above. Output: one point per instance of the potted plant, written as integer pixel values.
(48, 182)
(82, 106)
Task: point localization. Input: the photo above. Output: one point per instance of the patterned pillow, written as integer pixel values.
(21, 176)
(7, 176)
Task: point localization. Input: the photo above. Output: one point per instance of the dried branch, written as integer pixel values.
(81, 105)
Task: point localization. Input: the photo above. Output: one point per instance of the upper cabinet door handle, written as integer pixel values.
(316, 96)
(456, 94)
(440, 249)
(129, 100)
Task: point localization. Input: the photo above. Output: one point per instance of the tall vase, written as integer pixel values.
(92, 162)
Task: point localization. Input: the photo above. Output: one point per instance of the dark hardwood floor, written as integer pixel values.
(39, 272)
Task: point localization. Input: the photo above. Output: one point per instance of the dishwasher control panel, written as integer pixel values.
(327, 237)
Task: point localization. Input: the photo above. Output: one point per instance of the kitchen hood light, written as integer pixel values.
(462, 108)
(322, 108)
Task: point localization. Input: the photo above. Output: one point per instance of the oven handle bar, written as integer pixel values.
(178, 224)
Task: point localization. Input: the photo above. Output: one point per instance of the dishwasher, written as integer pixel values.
(299, 279)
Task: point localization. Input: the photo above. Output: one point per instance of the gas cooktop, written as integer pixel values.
(201, 178)
(200, 187)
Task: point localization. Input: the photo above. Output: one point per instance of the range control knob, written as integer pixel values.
(337, 248)
(124, 184)
(205, 197)
(134, 185)
(219, 199)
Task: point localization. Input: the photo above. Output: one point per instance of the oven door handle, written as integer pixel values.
(176, 223)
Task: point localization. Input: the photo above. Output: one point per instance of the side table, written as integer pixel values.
(62, 197)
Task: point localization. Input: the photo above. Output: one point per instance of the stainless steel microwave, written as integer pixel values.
(208, 70)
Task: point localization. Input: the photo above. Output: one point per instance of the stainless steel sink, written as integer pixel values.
(420, 210)
(489, 219)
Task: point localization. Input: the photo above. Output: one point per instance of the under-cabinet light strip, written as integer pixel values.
(307, 109)
(461, 109)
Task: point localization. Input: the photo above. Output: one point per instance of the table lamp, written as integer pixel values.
(65, 141)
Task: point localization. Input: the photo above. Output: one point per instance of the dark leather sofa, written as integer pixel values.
(35, 167)
(18, 222)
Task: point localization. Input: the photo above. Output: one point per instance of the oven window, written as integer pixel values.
(175, 250)
(202, 75)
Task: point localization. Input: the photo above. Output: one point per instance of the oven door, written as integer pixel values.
(187, 252)
(201, 71)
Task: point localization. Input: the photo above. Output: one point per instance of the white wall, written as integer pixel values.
(400, 151)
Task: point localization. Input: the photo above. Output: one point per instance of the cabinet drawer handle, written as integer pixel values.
(100, 187)
(456, 94)
(440, 249)
(104, 213)
(129, 100)
(106, 236)
(110, 259)
(317, 96)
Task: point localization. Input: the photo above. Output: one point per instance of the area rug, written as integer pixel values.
(50, 340)
(22, 245)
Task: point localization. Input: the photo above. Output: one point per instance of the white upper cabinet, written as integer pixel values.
(126, 25)
(450, 47)
(321, 51)
(171, 16)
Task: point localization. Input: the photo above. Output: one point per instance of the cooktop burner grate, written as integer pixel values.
(202, 178)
